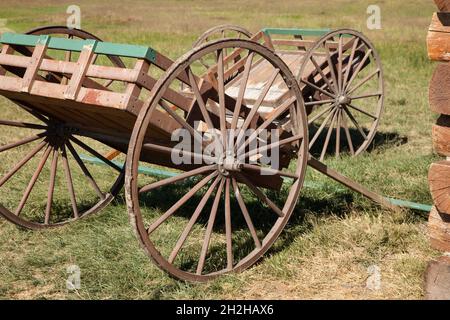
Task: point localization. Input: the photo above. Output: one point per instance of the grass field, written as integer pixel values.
(334, 236)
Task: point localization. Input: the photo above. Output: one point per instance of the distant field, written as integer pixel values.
(334, 236)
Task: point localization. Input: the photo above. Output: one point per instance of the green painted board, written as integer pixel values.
(107, 48)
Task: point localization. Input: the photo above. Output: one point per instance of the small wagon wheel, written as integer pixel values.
(43, 179)
(61, 31)
(41, 159)
(343, 87)
(222, 32)
(216, 33)
(236, 207)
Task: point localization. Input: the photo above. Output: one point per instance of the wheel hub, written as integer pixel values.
(343, 100)
(228, 163)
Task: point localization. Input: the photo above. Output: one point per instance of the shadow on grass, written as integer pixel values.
(160, 200)
(380, 140)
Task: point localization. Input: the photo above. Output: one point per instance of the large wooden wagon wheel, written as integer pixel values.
(43, 179)
(342, 81)
(224, 212)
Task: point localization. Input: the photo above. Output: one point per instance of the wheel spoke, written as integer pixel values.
(21, 142)
(322, 126)
(269, 171)
(181, 121)
(85, 170)
(256, 106)
(317, 116)
(350, 62)
(325, 78)
(274, 115)
(340, 58)
(358, 68)
(180, 202)
(363, 81)
(170, 151)
(95, 153)
(51, 187)
(69, 181)
(331, 65)
(177, 178)
(338, 133)
(193, 220)
(318, 102)
(22, 162)
(355, 122)
(362, 111)
(23, 125)
(201, 103)
(209, 228)
(228, 230)
(273, 145)
(33, 181)
(242, 88)
(221, 92)
(246, 215)
(327, 139)
(261, 195)
(367, 95)
(347, 133)
(317, 88)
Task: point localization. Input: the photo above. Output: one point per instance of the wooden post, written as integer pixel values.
(437, 274)
(443, 5)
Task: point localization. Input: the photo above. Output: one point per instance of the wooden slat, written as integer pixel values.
(76, 81)
(6, 50)
(34, 64)
(133, 90)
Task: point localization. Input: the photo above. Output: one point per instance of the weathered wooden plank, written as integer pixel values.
(439, 93)
(441, 136)
(76, 81)
(437, 279)
(34, 63)
(439, 230)
(439, 181)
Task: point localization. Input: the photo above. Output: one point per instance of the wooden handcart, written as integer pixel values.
(76, 96)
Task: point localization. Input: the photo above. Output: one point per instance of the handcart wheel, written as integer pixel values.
(225, 210)
(70, 33)
(216, 33)
(44, 180)
(345, 102)
(222, 32)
